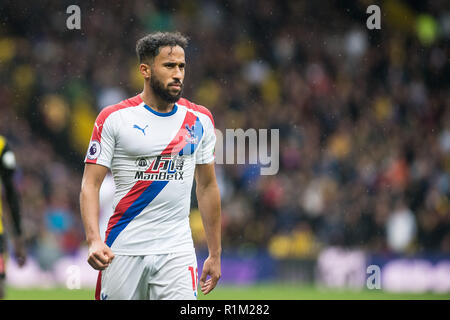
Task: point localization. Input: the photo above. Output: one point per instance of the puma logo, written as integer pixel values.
(98, 126)
(139, 128)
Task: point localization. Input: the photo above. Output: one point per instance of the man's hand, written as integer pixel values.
(211, 267)
(19, 251)
(100, 255)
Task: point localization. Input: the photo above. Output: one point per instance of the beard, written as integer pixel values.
(162, 92)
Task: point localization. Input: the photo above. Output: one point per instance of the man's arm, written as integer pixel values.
(100, 255)
(208, 197)
(8, 164)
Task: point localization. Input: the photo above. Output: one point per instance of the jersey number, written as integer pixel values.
(194, 277)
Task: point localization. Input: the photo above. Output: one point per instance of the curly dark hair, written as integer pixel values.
(147, 48)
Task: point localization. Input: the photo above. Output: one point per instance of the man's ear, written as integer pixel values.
(145, 70)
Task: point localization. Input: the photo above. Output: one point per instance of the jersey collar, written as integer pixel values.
(162, 114)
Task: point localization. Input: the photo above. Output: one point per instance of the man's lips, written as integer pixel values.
(176, 85)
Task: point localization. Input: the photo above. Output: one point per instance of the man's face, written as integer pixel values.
(167, 73)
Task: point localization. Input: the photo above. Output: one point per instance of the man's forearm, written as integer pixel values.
(13, 201)
(90, 207)
(209, 205)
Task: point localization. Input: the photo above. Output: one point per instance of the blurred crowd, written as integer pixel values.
(364, 115)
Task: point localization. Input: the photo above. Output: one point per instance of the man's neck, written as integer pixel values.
(154, 102)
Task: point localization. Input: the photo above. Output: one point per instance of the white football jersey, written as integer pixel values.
(152, 157)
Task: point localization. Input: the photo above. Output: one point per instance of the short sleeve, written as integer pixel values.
(102, 143)
(205, 153)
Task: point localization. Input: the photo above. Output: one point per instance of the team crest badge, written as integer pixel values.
(190, 135)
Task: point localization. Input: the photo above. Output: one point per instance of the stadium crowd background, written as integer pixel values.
(364, 115)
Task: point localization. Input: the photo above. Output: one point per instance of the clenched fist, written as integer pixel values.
(100, 255)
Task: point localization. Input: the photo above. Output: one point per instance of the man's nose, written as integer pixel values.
(178, 75)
